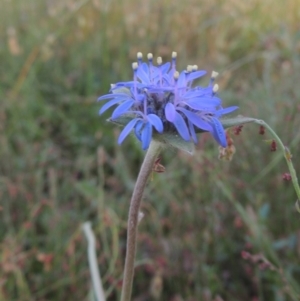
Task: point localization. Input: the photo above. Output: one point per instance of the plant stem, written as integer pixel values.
(135, 203)
(287, 155)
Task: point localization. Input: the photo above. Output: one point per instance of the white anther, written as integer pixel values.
(150, 56)
(139, 55)
(195, 67)
(189, 68)
(215, 88)
(214, 74)
(174, 55)
(176, 75)
(159, 60)
(135, 65)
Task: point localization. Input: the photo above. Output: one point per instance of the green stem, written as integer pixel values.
(287, 155)
(135, 203)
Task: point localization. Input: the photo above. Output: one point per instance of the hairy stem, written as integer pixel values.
(135, 203)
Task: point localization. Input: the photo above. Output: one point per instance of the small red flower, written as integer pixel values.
(237, 130)
(262, 130)
(273, 146)
(286, 176)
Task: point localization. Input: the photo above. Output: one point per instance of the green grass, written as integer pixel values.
(60, 164)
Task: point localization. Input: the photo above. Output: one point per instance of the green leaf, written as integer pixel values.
(174, 140)
(122, 90)
(122, 120)
(234, 121)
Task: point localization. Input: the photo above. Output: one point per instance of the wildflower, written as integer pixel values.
(160, 100)
(273, 146)
(287, 176)
(237, 130)
(262, 130)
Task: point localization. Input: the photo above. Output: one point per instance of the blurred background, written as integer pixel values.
(213, 230)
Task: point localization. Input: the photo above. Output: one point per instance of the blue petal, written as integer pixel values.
(181, 127)
(123, 84)
(154, 72)
(203, 103)
(196, 120)
(146, 135)
(218, 132)
(170, 112)
(168, 80)
(122, 108)
(142, 75)
(107, 96)
(138, 128)
(139, 97)
(145, 67)
(127, 129)
(156, 122)
(199, 92)
(181, 82)
(165, 67)
(195, 74)
(204, 107)
(110, 104)
(192, 131)
(225, 111)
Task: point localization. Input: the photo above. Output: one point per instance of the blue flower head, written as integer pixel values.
(159, 100)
